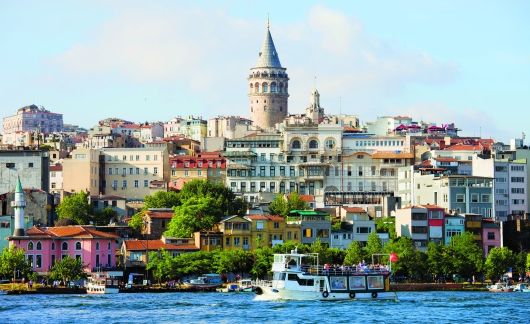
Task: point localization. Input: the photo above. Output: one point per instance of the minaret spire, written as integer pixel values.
(19, 204)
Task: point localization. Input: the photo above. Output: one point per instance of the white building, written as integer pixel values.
(31, 119)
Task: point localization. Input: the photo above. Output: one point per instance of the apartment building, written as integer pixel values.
(134, 173)
(423, 224)
(209, 166)
(82, 172)
(31, 166)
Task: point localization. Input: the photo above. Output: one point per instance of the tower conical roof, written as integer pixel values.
(268, 57)
(19, 185)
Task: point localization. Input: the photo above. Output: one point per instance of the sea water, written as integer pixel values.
(411, 307)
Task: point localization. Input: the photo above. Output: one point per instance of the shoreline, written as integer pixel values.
(394, 287)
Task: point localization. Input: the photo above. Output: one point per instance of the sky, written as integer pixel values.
(466, 62)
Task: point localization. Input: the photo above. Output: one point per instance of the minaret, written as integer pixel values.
(18, 205)
(268, 87)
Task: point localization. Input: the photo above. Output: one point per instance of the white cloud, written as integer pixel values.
(208, 53)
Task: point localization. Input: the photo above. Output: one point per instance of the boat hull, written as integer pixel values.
(269, 293)
(102, 290)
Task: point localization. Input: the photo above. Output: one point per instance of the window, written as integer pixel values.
(474, 198)
(39, 246)
(146, 183)
(330, 144)
(137, 170)
(308, 232)
(78, 246)
(53, 245)
(313, 144)
(124, 184)
(155, 170)
(124, 171)
(110, 171)
(38, 261)
(276, 225)
(227, 241)
(136, 183)
(64, 246)
(30, 246)
(460, 198)
(491, 236)
(146, 170)
(245, 241)
(282, 171)
(295, 144)
(485, 198)
(30, 260)
(364, 230)
(97, 246)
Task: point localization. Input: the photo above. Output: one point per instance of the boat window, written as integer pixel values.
(292, 277)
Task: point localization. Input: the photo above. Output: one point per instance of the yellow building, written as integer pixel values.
(236, 233)
(269, 230)
(135, 172)
(81, 172)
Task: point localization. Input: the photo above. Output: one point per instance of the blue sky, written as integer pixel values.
(440, 61)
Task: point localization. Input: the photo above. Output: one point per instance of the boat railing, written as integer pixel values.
(266, 283)
(329, 270)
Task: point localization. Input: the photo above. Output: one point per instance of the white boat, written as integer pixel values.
(299, 277)
(207, 281)
(500, 287)
(100, 283)
(522, 287)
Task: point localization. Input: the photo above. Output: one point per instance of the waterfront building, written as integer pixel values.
(32, 166)
(209, 240)
(516, 233)
(193, 127)
(473, 223)
(270, 230)
(313, 225)
(44, 246)
(268, 87)
(362, 224)
(423, 224)
(134, 253)
(454, 225)
(491, 235)
(237, 233)
(341, 239)
(31, 119)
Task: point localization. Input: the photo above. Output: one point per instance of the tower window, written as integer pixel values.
(281, 108)
(296, 144)
(251, 109)
(313, 144)
(265, 87)
(265, 101)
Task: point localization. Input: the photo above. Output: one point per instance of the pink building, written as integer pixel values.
(45, 245)
(491, 235)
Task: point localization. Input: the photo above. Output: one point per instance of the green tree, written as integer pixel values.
(412, 263)
(528, 262)
(466, 256)
(160, 264)
(224, 202)
(136, 222)
(386, 225)
(324, 254)
(278, 206)
(233, 261)
(162, 199)
(295, 202)
(373, 246)
(498, 261)
(439, 265)
(354, 254)
(104, 216)
(520, 263)
(194, 214)
(68, 269)
(13, 263)
(75, 207)
(263, 258)
(195, 263)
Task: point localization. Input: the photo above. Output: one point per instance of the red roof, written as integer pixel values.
(445, 159)
(74, 231)
(354, 209)
(307, 198)
(274, 218)
(431, 206)
(160, 214)
(154, 245)
(56, 167)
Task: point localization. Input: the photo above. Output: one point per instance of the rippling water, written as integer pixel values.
(441, 307)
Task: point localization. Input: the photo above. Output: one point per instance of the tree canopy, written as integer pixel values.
(195, 214)
(13, 262)
(75, 207)
(498, 261)
(162, 199)
(282, 206)
(68, 269)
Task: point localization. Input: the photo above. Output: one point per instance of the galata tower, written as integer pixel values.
(268, 87)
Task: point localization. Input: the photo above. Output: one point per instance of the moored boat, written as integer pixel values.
(100, 283)
(299, 277)
(500, 287)
(207, 281)
(522, 287)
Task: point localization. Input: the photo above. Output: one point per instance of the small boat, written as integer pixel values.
(500, 287)
(207, 281)
(245, 285)
(100, 283)
(299, 277)
(522, 287)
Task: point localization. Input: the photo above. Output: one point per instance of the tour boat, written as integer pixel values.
(101, 284)
(299, 277)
